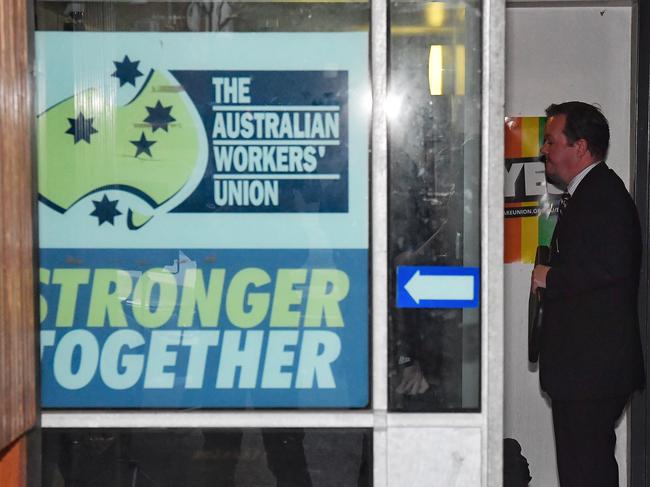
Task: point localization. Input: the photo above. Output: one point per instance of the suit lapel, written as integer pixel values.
(561, 226)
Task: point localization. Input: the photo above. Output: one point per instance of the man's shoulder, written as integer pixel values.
(601, 182)
(602, 197)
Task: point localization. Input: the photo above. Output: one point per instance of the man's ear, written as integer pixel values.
(581, 147)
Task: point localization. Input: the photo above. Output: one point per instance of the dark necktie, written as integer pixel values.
(564, 201)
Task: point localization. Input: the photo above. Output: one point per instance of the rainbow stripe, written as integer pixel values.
(523, 139)
(524, 136)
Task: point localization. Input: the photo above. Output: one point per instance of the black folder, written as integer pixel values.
(536, 308)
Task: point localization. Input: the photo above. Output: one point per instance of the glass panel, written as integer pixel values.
(207, 458)
(203, 204)
(434, 239)
(203, 16)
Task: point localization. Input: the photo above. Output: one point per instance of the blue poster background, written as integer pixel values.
(349, 369)
(105, 205)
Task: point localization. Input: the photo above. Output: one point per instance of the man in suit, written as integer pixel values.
(590, 352)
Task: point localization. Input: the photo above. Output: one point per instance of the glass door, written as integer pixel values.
(263, 242)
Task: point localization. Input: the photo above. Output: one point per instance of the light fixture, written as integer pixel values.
(435, 70)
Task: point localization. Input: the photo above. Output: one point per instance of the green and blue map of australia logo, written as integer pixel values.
(196, 141)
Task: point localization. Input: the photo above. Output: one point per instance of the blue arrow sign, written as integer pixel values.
(438, 287)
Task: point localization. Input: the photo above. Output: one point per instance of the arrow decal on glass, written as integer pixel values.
(437, 287)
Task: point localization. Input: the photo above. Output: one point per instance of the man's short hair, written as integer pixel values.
(584, 121)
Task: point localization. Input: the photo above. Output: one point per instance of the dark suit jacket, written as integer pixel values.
(590, 344)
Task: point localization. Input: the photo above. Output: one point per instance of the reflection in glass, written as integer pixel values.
(434, 163)
(207, 458)
(202, 16)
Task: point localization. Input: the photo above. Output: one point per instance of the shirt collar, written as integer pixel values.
(571, 188)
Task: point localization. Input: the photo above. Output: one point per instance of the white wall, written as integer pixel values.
(556, 54)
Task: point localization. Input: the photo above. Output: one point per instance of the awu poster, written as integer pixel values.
(531, 202)
(203, 214)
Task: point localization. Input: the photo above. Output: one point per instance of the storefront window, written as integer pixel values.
(204, 218)
(205, 457)
(203, 204)
(434, 178)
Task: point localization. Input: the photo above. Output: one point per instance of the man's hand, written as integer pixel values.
(538, 277)
(413, 381)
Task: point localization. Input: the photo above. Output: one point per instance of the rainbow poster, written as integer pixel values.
(530, 202)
